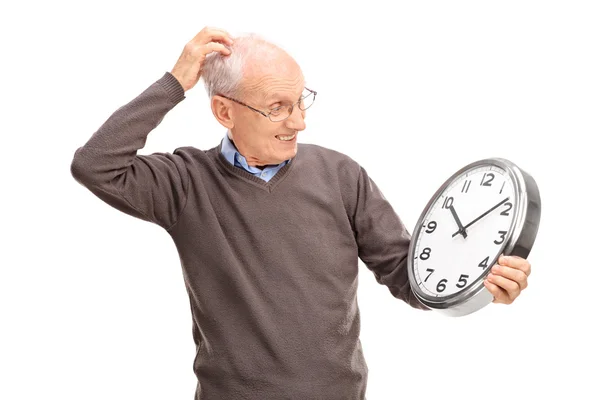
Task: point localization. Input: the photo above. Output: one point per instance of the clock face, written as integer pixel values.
(464, 231)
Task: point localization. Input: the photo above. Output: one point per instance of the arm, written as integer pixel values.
(382, 240)
(150, 187)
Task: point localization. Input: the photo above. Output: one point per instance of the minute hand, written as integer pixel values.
(481, 216)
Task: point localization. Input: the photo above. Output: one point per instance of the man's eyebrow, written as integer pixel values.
(271, 98)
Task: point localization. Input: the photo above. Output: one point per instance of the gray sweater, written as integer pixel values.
(271, 268)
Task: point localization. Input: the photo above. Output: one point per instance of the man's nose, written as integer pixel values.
(296, 120)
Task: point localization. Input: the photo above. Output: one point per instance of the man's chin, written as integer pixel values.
(289, 154)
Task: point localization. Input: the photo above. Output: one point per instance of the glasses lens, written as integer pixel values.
(279, 113)
(283, 112)
(307, 101)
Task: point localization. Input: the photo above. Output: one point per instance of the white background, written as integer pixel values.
(92, 301)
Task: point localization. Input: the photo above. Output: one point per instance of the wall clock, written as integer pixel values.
(486, 209)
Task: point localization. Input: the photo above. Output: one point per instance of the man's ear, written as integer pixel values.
(222, 110)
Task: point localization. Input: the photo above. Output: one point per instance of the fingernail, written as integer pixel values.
(495, 268)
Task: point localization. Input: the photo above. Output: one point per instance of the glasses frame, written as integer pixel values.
(268, 115)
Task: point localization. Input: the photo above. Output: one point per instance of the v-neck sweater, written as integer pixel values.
(242, 173)
(271, 268)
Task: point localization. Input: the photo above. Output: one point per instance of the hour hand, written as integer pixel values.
(461, 228)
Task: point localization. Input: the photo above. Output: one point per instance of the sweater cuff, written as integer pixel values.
(173, 87)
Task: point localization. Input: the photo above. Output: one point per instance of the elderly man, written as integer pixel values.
(269, 231)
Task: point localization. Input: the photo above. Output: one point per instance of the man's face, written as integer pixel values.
(267, 85)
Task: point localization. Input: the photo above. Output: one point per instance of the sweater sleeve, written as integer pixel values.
(382, 240)
(150, 187)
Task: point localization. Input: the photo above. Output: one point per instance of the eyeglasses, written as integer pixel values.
(281, 113)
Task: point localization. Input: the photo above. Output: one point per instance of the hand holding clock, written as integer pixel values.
(508, 278)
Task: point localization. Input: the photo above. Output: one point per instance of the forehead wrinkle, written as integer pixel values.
(276, 93)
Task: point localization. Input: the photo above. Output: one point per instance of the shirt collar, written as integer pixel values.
(228, 149)
(231, 154)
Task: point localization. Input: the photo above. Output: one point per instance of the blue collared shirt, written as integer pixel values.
(235, 158)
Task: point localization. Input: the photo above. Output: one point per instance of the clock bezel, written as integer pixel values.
(519, 238)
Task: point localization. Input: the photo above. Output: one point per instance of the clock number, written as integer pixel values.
(448, 202)
(484, 264)
(441, 286)
(462, 281)
(505, 212)
(431, 227)
(466, 186)
(430, 272)
(489, 181)
(502, 236)
(502, 188)
(425, 254)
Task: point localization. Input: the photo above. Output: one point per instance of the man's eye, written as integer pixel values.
(276, 110)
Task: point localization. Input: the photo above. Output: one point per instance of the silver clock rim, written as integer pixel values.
(520, 239)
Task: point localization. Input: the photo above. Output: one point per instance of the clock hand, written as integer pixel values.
(482, 215)
(461, 228)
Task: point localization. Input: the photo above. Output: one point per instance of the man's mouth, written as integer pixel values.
(286, 138)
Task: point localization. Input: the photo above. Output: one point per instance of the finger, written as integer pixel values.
(209, 34)
(209, 31)
(511, 287)
(516, 262)
(512, 274)
(213, 46)
(500, 296)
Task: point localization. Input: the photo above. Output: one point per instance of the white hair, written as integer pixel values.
(223, 74)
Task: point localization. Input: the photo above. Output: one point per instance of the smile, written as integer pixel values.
(286, 138)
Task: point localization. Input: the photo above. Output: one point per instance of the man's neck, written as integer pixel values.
(261, 167)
